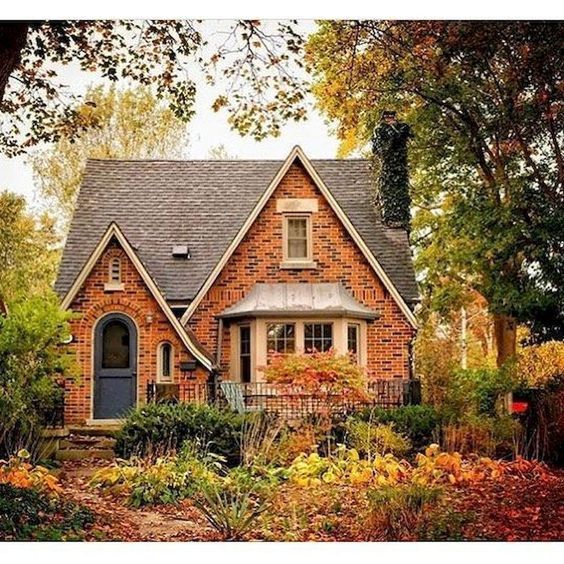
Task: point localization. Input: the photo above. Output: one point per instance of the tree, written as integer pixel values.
(250, 56)
(28, 252)
(117, 124)
(485, 101)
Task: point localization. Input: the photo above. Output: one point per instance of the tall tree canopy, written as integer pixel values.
(28, 254)
(251, 57)
(485, 100)
(117, 124)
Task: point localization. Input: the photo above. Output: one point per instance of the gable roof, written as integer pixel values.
(204, 204)
(112, 232)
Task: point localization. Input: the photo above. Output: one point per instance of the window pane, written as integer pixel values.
(318, 337)
(115, 345)
(297, 238)
(297, 248)
(280, 337)
(166, 353)
(352, 338)
(245, 353)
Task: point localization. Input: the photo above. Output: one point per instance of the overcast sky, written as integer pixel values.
(207, 129)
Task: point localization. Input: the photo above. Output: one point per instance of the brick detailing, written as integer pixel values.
(91, 303)
(257, 260)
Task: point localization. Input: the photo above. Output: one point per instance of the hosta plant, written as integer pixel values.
(18, 472)
(435, 467)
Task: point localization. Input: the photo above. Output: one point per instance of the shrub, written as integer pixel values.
(31, 357)
(488, 436)
(370, 439)
(293, 441)
(27, 514)
(396, 510)
(160, 428)
(322, 373)
(419, 423)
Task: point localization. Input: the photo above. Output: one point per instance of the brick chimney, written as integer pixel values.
(389, 145)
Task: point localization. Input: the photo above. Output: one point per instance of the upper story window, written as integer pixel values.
(165, 362)
(318, 337)
(281, 337)
(114, 276)
(298, 247)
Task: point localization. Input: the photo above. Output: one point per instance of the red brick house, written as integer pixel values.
(184, 271)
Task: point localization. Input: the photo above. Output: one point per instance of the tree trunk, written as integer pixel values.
(505, 329)
(13, 36)
(463, 338)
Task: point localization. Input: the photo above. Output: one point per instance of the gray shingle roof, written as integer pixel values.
(158, 204)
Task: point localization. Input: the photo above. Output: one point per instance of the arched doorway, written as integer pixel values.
(115, 366)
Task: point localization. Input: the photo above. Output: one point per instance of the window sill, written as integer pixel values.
(113, 287)
(297, 265)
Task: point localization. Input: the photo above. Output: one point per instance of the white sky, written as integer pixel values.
(207, 129)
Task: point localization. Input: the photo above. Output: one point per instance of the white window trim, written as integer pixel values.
(160, 378)
(306, 262)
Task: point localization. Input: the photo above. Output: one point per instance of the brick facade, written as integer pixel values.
(91, 303)
(258, 258)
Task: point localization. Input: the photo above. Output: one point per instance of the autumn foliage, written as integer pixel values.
(324, 373)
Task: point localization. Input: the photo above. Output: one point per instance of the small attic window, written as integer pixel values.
(114, 276)
(115, 271)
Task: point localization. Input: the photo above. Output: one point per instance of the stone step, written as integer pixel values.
(84, 453)
(95, 430)
(78, 442)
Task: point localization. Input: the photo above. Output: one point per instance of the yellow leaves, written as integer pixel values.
(538, 364)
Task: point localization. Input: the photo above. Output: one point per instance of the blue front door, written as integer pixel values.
(115, 361)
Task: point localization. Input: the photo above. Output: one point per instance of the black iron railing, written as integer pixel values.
(286, 400)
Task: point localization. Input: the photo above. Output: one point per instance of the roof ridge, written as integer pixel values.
(327, 159)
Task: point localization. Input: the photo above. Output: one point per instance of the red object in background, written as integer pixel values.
(520, 406)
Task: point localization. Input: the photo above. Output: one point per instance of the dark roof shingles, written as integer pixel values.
(204, 204)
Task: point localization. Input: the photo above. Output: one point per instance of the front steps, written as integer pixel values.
(88, 443)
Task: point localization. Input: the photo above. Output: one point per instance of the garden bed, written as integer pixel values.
(516, 507)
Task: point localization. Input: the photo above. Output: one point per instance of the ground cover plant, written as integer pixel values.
(31, 507)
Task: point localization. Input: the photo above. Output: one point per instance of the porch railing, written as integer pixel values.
(285, 400)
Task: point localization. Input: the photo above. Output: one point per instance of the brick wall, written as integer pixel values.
(136, 301)
(258, 258)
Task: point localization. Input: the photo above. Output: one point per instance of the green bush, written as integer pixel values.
(31, 356)
(419, 423)
(162, 428)
(27, 514)
(370, 439)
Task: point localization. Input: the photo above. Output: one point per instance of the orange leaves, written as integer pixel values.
(435, 467)
(325, 373)
(21, 474)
